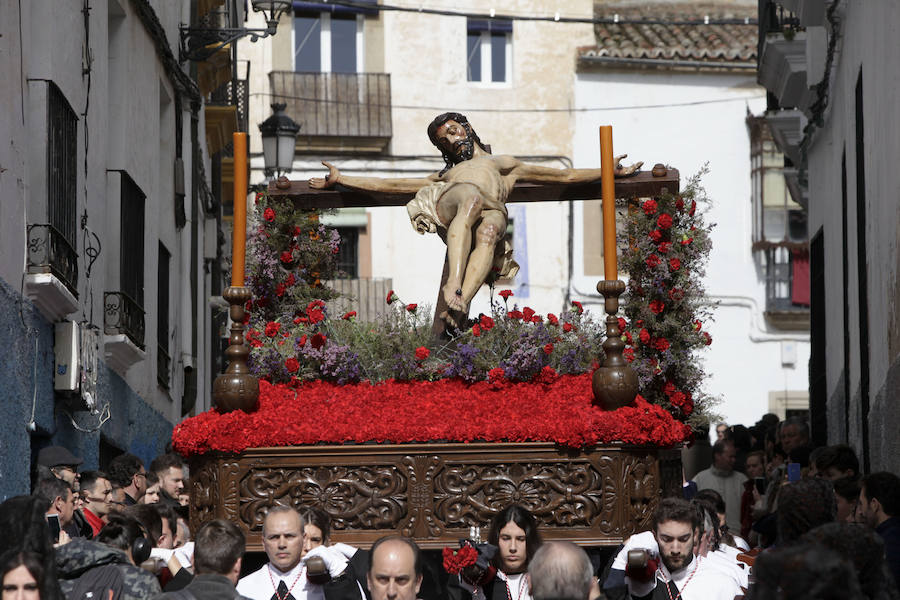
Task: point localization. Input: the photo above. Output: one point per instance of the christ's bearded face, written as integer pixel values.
(454, 140)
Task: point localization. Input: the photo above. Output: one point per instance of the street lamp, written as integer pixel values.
(199, 43)
(279, 139)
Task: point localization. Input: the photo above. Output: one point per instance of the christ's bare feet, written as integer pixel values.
(453, 296)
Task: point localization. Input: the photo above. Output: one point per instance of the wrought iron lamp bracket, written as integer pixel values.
(196, 43)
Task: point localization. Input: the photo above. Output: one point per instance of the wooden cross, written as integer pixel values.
(642, 185)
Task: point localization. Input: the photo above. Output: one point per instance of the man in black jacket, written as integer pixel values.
(218, 551)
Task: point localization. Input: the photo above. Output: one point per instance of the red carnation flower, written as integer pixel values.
(664, 247)
(644, 336)
(697, 325)
(669, 388)
(674, 264)
(422, 353)
(486, 322)
(411, 307)
(655, 235)
(578, 307)
(286, 257)
(664, 221)
(536, 319)
(315, 315)
(292, 365)
(653, 261)
(279, 290)
(548, 349)
(552, 319)
(505, 294)
(496, 375)
(656, 306)
(291, 280)
(649, 207)
(686, 241)
(676, 294)
(628, 353)
(527, 313)
(272, 328)
(546, 375)
(269, 215)
(567, 327)
(318, 341)
(622, 324)
(296, 320)
(456, 560)
(349, 315)
(297, 231)
(693, 207)
(626, 337)
(476, 330)
(707, 339)
(391, 296)
(302, 341)
(514, 314)
(679, 203)
(315, 304)
(661, 344)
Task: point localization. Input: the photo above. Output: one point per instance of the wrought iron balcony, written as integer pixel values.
(122, 315)
(351, 111)
(50, 252)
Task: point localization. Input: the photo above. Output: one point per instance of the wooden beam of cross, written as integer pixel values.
(641, 185)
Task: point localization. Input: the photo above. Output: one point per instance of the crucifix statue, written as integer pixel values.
(465, 204)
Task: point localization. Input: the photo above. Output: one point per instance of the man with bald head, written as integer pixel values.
(395, 569)
(560, 571)
(285, 576)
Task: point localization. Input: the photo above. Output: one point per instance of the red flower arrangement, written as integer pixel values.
(505, 294)
(557, 411)
(457, 559)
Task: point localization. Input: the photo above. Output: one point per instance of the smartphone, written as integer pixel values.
(760, 484)
(793, 472)
(53, 522)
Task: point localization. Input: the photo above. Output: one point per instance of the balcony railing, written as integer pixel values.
(122, 315)
(50, 252)
(336, 105)
(774, 18)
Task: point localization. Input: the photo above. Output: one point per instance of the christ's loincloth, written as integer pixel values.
(424, 217)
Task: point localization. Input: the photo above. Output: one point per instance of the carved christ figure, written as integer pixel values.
(465, 203)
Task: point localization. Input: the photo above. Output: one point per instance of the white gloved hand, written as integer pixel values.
(163, 554)
(335, 561)
(346, 549)
(185, 554)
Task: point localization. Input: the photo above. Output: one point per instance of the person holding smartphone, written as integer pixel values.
(62, 505)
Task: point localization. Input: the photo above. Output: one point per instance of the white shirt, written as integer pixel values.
(697, 581)
(258, 585)
(516, 586)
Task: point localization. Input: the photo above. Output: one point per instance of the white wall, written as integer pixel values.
(685, 120)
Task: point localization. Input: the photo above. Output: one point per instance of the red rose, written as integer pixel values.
(286, 257)
(514, 314)
(548, 349)
(349, 315)
(664, 221)
(476, 330)
(527, 313)
(486, 322)
(391, 296)
(272, 328)
(318, 341)
(664, 247)
(644, 336)
(649, 207)
(292, 365)
(578, 307)
(693, 207)
(552, 319)
(661, 344)
(422, 353)
(567, 327)
(655, 235)
(679, 203)
(656, 306)
(505, 294)
(653, 261)
(411, 307)
(674, 264)
(269, 215)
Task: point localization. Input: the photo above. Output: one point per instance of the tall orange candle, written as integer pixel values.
(608, 193)
(239, 231)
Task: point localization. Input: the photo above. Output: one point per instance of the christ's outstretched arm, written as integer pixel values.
(370, 184)
(528, 173)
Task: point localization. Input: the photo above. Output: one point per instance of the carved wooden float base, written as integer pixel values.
(435, 492)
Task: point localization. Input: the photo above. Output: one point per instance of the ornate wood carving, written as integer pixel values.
(435, 492)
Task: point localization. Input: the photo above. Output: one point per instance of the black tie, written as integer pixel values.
(282, 592)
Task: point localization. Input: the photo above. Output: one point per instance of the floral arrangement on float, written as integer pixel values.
(513, 375)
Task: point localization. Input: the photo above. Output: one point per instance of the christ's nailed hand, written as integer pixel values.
(329, 181)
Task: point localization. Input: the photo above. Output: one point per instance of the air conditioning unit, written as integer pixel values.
(76, 359)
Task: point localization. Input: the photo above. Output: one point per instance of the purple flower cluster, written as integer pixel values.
(462, 364)
(336, 363)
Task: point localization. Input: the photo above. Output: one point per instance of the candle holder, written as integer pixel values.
(614, 383)
(236, 388)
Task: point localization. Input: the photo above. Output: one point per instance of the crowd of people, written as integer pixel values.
(769, 517)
